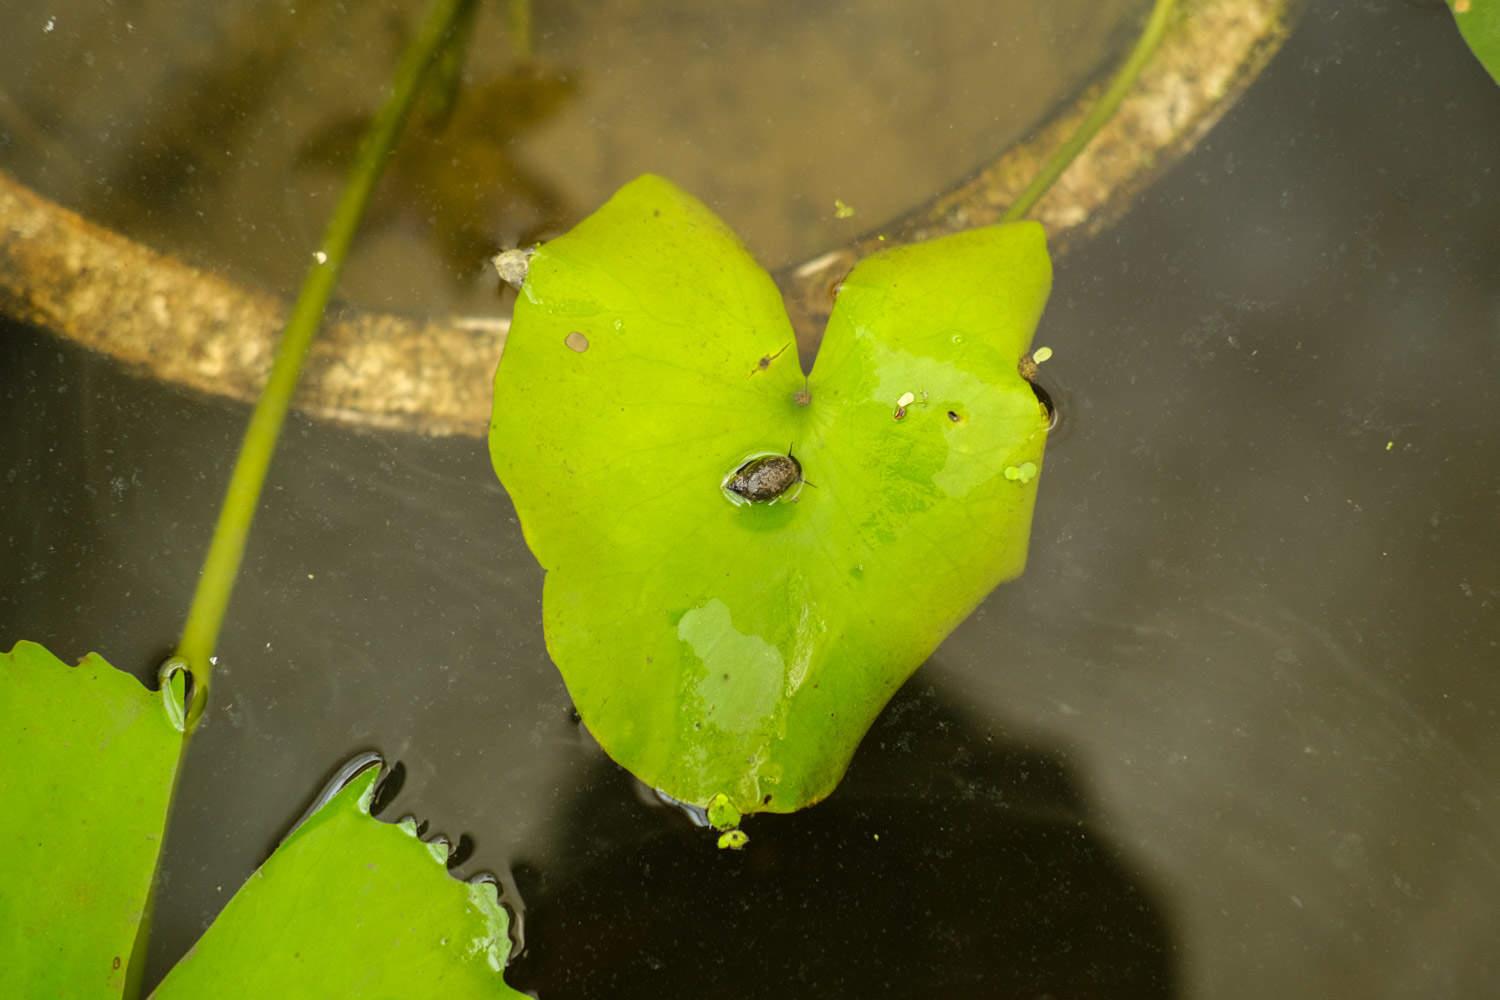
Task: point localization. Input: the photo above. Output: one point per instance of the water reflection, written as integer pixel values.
(458, 178)
(953, 862)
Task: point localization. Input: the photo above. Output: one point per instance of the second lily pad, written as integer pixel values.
(740, 642)
(88, 757)
(349, 906)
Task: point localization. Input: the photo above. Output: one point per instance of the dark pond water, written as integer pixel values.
(1236, 732)
(219, 130)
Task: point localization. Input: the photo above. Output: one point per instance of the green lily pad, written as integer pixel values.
(1479, 23)
(714, 645)
(349, 906)
(88, 756)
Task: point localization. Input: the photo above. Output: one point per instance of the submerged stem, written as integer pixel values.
(200, 634)
(518, 14)
(1102, 111)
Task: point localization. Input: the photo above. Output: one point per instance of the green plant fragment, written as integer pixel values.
(1023, 473)
(733, 840)
(88, 756)
(717, 644)
(722, 815)
(1479, 22)
(348, 906)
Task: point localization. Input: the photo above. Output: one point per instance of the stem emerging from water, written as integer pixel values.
(1100, 113)
(200, 634)
(518, 14)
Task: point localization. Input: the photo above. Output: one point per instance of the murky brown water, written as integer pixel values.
(1236, 732)
(227, 143)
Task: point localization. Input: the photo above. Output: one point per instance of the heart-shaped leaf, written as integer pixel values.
(717, 645)
(88, 756)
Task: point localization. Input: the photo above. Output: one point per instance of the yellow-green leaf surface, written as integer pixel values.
(87, 761)
(1479, 23)
(349, 906)
(736, 648)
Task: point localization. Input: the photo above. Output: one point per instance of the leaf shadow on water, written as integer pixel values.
(953, 861)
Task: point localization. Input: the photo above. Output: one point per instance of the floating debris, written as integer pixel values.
(734, 840)
(842, 209)
(722, 815)
(512, 266)
(908, 398)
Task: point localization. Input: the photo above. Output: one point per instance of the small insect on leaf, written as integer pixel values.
(766, 359)
(765, 479)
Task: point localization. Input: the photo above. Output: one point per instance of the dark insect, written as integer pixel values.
(766, 359)
(765, 479)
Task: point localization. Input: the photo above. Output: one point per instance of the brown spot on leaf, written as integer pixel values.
(577, 342)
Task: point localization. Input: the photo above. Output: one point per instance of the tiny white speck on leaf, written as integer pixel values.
(907, 398)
